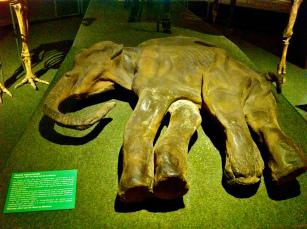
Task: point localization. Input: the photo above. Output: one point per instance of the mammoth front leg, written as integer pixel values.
(137, 177)
(286, 160)
(171, 150)
(243, 162)
(21, 9)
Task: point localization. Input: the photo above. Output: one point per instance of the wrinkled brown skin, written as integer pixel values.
(179, 75)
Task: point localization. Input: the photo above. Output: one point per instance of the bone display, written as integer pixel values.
(21, 10)
(179, 75)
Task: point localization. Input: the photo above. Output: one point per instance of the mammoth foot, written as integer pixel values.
(287, 161)
(136, 180)
(243, 171)
(137, 177)
(244, 164)
(170, 171)
(135, 194)
(134, 190)
(170, 187)
(241, 179)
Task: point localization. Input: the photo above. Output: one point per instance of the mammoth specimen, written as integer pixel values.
(179, 75)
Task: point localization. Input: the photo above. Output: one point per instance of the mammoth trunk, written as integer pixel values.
(63, 91)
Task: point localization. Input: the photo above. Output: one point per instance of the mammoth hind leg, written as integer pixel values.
(137, 176)
(285, 159)
(171, 150)
(243, 162)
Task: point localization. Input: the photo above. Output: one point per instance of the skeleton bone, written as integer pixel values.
(287, 36)
(282, 66)
(21, 10)
(4, 90)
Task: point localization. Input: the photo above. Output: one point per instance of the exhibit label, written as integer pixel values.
(41, 191)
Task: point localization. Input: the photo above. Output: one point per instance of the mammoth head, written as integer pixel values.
(95, 70)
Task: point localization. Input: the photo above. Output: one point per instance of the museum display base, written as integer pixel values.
(210, 203)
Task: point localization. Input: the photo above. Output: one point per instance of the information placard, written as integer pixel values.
(41, 191)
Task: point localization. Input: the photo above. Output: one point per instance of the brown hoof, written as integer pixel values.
(170, 188)
(242, 180)
(135, 185)
(242, 175)
(288, 159)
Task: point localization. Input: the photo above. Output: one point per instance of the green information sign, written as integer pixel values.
(41, 191)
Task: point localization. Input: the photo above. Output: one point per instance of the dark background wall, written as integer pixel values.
(262, 27)
(45, 9)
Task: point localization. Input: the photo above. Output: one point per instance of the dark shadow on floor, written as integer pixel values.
(215, 131)
(240, 191)
(120, 164)
(152, 205)
(164, 123)
(192, 141)
(50, 54)
(302, 107)
(283, 191)
(47, 131)
(119, 93)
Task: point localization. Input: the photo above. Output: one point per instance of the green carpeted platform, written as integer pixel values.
(95, 154)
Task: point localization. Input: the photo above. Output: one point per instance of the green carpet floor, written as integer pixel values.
(95, 153)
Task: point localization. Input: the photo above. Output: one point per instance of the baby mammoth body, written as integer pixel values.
(179, 75)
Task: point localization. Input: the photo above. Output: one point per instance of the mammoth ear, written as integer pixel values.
(116, 50)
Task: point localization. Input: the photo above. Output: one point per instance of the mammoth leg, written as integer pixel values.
(286, 160)
(243, 162)
(171, 150)
(137, 176)
(21, 9)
